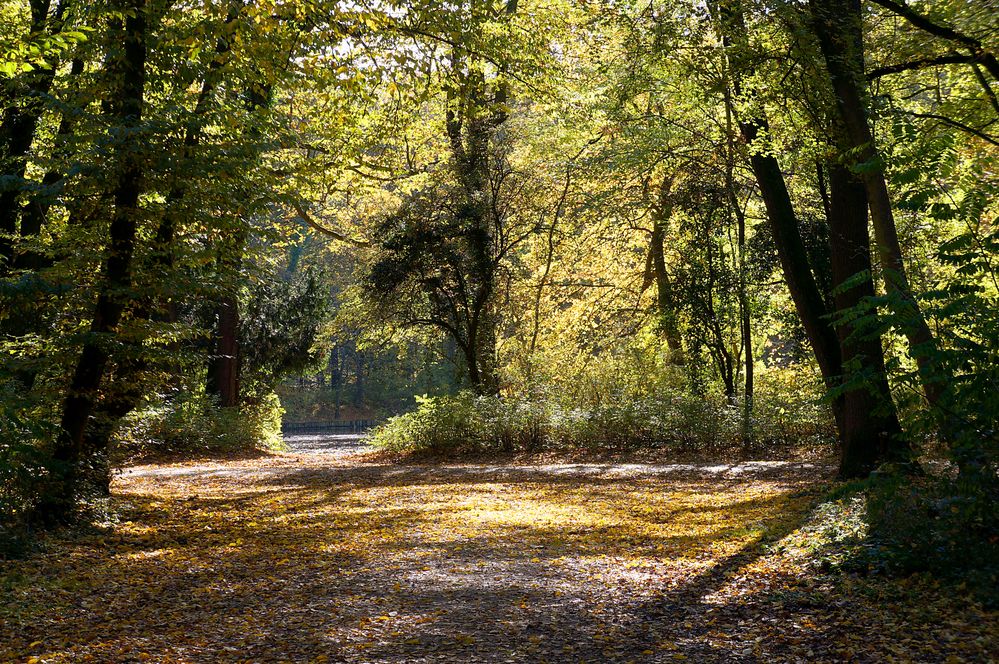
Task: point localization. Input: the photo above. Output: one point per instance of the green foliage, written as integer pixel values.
(23, 462)
(280, 327)
(969, 348)
(557, 190)
(944, 526)
(963, 360)
(191, 425)
(461, 423)
(789, 409)
(678, 421)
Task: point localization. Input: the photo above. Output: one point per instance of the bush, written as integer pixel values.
(681, 421)
(948, 527)
(191, 425)
(789, 408)
(463, 423)
(23, 467)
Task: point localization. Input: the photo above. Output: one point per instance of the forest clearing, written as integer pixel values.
(499, 330)
(323, 558)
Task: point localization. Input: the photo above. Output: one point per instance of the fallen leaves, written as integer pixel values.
(310, 558)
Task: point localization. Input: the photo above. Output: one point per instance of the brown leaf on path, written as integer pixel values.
(316, 557)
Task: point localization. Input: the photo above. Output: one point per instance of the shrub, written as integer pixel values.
(190, 425)
(469, 423)
(789, 408)
(463, 423)
(948, 527)
(23, 467)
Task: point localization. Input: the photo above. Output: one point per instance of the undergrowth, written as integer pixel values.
(189, 426)
(900, 526)
(469, 423)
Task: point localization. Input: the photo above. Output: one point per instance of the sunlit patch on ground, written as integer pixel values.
(313, 557)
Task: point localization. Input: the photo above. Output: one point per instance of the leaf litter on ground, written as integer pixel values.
(319, 558)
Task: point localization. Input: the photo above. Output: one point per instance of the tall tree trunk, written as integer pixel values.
(127, 70)
(805, 292)
(336, 380)
(745, 322)
(123, 393)
(475, 111)
(486, 365)
(793, 256)
(838, 26)
(871, 430)
(855, 420)
(34, 213)
(665, 296)
(32, 216)
(479, 227)
(358, 399)
(746, 332)
(118, 398)
(223, 373)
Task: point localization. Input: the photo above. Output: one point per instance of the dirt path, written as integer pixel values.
(322, 554)
(337, 445)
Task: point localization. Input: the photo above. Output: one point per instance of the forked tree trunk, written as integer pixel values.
(125, 105)
(870, 426)
(858, 421)
(838, 26)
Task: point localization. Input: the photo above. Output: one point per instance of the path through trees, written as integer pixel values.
(344, 556)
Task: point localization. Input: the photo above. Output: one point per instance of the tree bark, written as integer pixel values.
(125, 105)
(25, 95)
(870, 429)
(665, 297)
(745, 328)
(223, 373)
(793, 256)
(860, 428)
(746, 325)
(838, 26)
(336, 379)
(358, 398)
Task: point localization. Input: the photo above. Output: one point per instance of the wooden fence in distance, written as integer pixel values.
(327, 426)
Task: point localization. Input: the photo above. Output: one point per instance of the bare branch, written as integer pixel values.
(335, 234)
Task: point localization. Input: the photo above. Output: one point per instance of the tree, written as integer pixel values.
(447, 246)
(866, 434)
(837, 25)
(126, 71)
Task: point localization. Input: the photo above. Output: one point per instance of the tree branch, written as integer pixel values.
(955, 123)
(924, 63)
(982, 55)
(335, 234)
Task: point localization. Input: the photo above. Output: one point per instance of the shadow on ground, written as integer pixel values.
(317, 556)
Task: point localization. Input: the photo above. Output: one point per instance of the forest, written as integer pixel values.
(678, 320)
